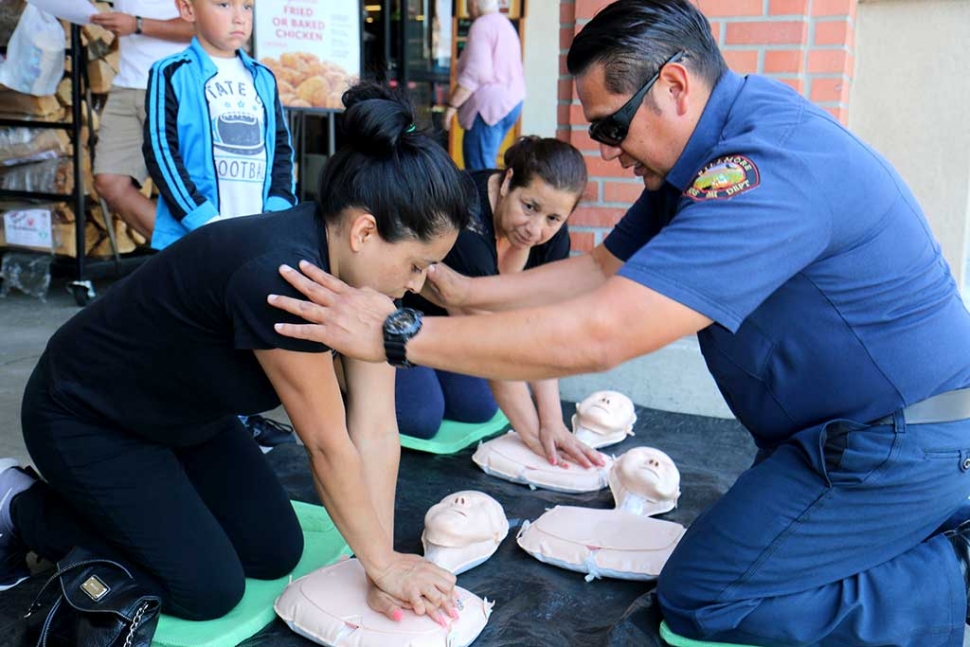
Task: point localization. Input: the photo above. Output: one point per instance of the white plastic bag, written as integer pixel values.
(35, 54)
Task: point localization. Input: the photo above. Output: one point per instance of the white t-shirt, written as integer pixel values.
(236, 120)
(139, 52)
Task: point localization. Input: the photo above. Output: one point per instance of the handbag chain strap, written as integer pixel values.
(135, 622)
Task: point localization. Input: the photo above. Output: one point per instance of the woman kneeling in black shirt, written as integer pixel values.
(130, 414)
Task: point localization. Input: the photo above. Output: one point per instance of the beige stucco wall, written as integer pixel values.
(541, 62)
(910, 99)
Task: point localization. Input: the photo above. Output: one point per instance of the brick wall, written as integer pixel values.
(807, 44)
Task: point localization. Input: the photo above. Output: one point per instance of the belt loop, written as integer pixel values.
(899, 420)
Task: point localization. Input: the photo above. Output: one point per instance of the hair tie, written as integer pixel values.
(410, 129)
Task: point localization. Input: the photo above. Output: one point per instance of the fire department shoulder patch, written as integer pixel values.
(724, 178)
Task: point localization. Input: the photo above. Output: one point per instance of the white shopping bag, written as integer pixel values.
(35, 54)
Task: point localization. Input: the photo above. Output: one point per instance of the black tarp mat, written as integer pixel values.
(536, 604)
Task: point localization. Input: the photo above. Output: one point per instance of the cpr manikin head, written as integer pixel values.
(463, 530)
(604, 418)
(645, 481)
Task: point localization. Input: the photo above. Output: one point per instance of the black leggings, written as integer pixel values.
(194, 520)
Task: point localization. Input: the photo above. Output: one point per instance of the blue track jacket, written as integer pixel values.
(178, 143)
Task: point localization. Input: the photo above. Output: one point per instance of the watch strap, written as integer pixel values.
(396, 353)
(138, 24)
(399, 327)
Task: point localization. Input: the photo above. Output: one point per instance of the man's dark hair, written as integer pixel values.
(632, 39)
(393, 171)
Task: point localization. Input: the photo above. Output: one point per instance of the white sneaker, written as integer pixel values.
(13, 552)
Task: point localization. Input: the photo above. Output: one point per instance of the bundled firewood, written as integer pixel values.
(40, 160)
(49, 176)
(50, 227)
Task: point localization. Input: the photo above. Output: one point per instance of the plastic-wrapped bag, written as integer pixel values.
(35, 54)
(28, 272)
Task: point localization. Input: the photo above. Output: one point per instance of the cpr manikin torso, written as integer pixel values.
(645, 481)
(509, 458)
(463, 530)
(601, 543)
(329, 607)
(604, 418)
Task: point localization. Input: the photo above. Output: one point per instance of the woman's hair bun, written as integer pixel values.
(376, 118)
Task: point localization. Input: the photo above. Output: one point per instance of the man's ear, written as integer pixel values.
(678, 83)
(363, 228)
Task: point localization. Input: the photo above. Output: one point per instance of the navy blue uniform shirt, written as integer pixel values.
(828, 290)
(169, 349)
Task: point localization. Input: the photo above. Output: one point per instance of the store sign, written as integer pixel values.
(313, 48)
(28, 228)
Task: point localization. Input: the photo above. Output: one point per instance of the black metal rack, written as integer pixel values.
(85, 270)
(297, 122)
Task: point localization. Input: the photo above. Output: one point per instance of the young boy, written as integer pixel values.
(216, 141)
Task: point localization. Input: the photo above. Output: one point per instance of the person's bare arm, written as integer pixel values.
(458, 96)
(542, 285)
(372, 424)
(555, 437)
(307, 386)
(124, 24)
(535, 423)
(594, 332)
(515, 402)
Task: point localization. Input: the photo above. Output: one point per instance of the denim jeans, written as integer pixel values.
(481, 142)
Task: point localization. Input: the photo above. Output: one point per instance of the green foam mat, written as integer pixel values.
(323, 545)
(454, 436)
(675, 640)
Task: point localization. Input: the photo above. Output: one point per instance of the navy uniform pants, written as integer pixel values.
(831, 540)
(424, 397)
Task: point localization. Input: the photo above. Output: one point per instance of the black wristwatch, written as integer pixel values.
(138, 24)
(399, 327)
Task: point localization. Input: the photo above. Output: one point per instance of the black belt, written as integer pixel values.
(944, 407)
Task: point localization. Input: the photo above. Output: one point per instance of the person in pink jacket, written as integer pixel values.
(491, 86)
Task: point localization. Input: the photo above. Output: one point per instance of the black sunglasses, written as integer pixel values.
(612, 130)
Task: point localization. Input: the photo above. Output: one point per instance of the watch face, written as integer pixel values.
(402, 321)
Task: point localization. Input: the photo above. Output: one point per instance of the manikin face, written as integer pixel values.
(222, 26)
(530, 215)
(655, 139)
(649, 473)
(605, 412)
(465, 518)
(362, 258)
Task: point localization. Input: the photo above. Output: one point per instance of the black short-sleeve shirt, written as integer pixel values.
(475, 254)
(169, 348)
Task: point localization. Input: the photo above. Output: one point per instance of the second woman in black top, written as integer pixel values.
(521, 224)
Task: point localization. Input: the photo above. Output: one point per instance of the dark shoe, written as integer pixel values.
(960, 540)
(13, 552)
(269, 433)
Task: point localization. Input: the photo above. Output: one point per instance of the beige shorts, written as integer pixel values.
(119, 140)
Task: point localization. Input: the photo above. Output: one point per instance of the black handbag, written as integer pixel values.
(92, 602)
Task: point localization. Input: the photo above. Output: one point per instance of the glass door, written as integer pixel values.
(408, 43)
